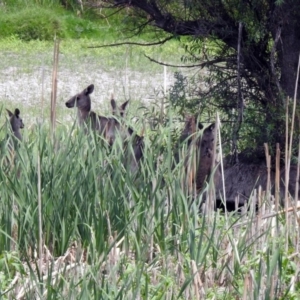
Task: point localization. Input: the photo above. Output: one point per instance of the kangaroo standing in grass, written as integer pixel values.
(204, 146)
(13, 139)
(107, 127)
(137, 142)
(16, 124)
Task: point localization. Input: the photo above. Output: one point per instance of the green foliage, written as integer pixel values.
(182, 97)
(10, 264)
(44, 22)
(31, 24)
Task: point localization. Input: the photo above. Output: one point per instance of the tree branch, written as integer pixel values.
(272, 59)
(134, 43)
(202, 65)
(200, 27)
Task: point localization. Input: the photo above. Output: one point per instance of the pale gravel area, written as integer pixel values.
(24, 82)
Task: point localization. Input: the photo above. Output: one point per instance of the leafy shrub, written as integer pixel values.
(181, 98)
(37, 22)
(29, 24)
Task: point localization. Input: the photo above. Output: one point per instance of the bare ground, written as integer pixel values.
(26, 82)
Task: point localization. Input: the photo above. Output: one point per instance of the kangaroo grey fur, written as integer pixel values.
(204, 145)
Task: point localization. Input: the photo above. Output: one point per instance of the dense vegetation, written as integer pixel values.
(33, 20)
(106, 233)
(76, 224)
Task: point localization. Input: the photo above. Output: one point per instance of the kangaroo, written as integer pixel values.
(203, 145)
(242, 178)
(137, 141)
(16, 124)
(13, 139)
(107, 127)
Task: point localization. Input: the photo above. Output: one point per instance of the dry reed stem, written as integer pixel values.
(192, 157)
(297, 176)
(43, 92)
(197, 283)
(269, 215)
(151, 250)
(222, 170)
(211, 192)
(277, 177)
(40, 212)
(297, 225)
(268, 163)
(286, 203)
(247, 288)
(54, 86)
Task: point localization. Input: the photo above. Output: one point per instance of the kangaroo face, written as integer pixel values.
(16, 122)
(81, 100)
(207, 141)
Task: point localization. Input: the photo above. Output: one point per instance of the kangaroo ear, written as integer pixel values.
(9, 112)
(17, 112)
(200, 126)
(123, 106)
(89, 89)
(211, 127)
(113, 103)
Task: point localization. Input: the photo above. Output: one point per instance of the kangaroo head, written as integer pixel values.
(191, 126)
(207, 140)
(81, 100)
(16, 122)
(118, 111)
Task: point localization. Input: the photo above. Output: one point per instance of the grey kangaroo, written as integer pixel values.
(13, 139)
(137, 141)
(16, 124)
(107, 127)
(243, 177)
(203, 145)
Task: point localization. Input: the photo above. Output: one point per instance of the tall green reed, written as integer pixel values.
(141, 233)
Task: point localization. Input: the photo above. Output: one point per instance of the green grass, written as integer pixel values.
(131, 235)
(43, 21)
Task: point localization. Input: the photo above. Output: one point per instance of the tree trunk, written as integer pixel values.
(288, 48)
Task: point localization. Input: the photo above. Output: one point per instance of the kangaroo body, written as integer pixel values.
(13, 139)
(16, 124)
(242, 178)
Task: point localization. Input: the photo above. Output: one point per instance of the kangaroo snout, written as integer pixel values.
(69, 105)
